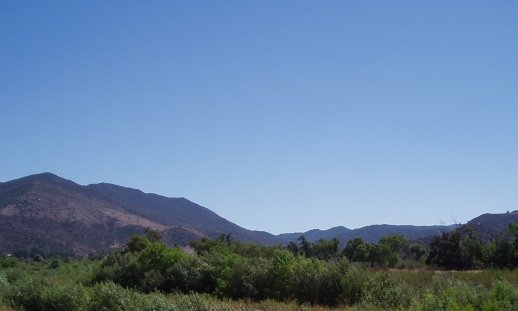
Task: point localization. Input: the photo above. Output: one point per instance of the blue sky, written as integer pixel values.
(278, 115)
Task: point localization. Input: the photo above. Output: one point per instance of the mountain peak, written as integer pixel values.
(41, 177)
(46, 178)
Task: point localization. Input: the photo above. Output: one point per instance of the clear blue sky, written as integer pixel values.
(278, 115)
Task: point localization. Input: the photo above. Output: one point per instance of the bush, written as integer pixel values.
(8, 262)
(154, 302)
(305, 279)
(121, 268)
(54, 264)
(502, 296)
(27, 293)
(388, 293)
(355, 284)
(64, 298)
(40, 295)
(3, 280)
(109, 296)
(448, 293)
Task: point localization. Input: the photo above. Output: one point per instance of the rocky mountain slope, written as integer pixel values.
(49, 214)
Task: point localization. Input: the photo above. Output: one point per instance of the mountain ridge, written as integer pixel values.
(370, 233)
(53, 215)
(56, 215)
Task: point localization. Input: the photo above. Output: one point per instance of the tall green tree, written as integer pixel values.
(325, 249)
(445, 251)
(417, 251)
(357, 249)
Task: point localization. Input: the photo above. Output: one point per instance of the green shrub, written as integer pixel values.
(3, 280)
(109, 296)
(330, 284)
(8, 262)
(122, 268)
(40, 295)
(305, 279)
(501, 296)
(387, 292)
(70, 298)
(448, 293)
(27, 294)
(154, 302)
(355, 284)
(54, 264)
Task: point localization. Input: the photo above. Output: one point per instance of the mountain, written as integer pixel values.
(487, 226)
(47, 214)
(52, 215)
(372, 233)
(492, 226)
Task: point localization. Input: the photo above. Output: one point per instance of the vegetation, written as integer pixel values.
(223, 274)
(463, 250)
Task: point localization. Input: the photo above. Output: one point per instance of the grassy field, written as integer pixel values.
(483, 277)
(63, 272)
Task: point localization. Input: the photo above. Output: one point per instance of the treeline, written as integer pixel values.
(461, 249)
(231, 269)
(318, 273)
(272, 277)
(390, 251)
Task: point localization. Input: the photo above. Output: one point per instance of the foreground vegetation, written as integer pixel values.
(36, 286)
(227, 275)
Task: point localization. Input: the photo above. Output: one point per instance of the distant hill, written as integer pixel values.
(372, 233)
(316, 234)
(487, 226)
(492, 226)
(52, 215)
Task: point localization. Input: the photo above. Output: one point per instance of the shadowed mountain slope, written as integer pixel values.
(493, 226)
